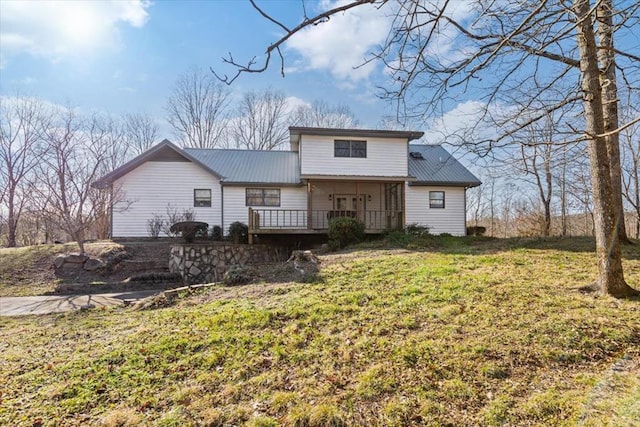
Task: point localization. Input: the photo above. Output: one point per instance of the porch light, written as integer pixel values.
(368, 197)
(330, 196)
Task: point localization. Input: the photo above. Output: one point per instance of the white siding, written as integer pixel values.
(385, 157)
(235, 208)
(153, 185)
(451, 219)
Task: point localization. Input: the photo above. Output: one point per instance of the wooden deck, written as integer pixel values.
(302, 221)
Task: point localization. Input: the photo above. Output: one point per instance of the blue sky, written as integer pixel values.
(125, 56)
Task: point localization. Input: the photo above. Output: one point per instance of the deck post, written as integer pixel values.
(402, 225)
(309, 205)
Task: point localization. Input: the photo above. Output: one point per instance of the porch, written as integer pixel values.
(379, 205)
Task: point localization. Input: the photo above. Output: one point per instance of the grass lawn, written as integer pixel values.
(29, 270)
(466, 332)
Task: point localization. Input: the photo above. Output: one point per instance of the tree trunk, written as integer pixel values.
(547, 218)
(12, 223)
(610, 274)
(608, 83)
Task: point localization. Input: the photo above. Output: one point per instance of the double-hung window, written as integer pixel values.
(436, 199)
(348, 148)
(202, 198)
(263, 197)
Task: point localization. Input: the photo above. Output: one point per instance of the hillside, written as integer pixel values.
(448, 332)
(29, 270)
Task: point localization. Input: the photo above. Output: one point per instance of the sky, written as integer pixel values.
(125, 56)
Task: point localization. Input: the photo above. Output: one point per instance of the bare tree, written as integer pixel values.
(197, 109)
(109, 138)
(321, 114)
(21, 120)
(141, 131)
(609, 85)
(262, 121)
(502, 52)
(631, 172)
(77, 152)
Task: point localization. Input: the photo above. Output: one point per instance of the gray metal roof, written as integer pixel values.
(438, 167)
(250, 166)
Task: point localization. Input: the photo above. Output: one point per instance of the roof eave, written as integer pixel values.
(260, 184)
(467, 184)
(136, 162)
(296, 131)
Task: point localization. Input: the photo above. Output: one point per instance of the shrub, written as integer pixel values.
(237, 275)
(239, 232)
(190, 229)
(416, 230)
(154, 226)
(344, 231)
(216, 233)
(174, 215)
(476, 231)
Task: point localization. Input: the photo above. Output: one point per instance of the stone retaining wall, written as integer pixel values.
(206, 263)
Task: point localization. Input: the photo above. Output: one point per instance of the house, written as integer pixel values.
(377, 176)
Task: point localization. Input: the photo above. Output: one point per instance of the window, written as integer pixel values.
(436, 199)
(263, 197)
(202, 198)
(345, 148)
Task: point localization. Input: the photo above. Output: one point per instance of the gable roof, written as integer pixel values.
(229, 166)
(164, 151)
(438, 167)
(250, 166)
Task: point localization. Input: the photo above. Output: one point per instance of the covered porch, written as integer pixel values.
(378, 204)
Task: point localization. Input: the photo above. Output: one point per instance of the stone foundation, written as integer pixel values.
(206, 263)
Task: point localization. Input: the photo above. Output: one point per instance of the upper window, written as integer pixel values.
(202, 198)
(347, 148)
(436, 199)
(263, 197)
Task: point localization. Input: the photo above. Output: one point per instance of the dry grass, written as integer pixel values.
(469, 332)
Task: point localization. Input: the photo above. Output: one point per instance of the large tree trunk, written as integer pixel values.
(608, 83)
(610, 274)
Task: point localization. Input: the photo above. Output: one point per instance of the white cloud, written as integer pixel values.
(465, 123)
(343, 42)
(55, 29)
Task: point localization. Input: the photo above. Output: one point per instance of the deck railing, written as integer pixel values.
(302, 219)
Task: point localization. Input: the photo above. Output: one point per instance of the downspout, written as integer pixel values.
(222, 208)
(111, 211)
(465, 212)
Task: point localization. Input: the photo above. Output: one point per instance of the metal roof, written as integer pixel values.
(438, 167)
(250, 166)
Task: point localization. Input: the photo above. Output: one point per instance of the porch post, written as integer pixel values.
(251, 226)
(309, 205)
(404, 208)
(358, 201)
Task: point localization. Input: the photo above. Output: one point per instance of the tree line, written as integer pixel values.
(525, 60)
(50, 154)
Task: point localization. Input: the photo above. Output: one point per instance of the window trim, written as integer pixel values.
(202, 202)
(433, 199)
(352, 150)
(263, 196)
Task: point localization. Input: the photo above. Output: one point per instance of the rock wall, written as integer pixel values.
(206, 263)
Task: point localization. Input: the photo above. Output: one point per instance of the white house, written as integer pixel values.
(377, 176)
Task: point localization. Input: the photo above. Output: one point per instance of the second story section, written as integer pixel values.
(348, 153)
